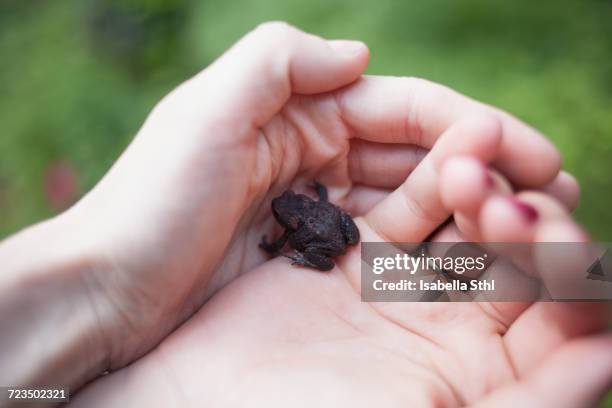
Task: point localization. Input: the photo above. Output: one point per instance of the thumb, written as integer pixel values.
(578, 374)
(251, 81)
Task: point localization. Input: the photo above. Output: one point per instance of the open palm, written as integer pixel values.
(286, 336)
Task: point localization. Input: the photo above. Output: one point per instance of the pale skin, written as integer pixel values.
(180, 215)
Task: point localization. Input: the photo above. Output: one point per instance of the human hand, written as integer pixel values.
(287, 336)
(182, 211)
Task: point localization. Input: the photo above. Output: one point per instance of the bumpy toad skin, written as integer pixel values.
(316, 230)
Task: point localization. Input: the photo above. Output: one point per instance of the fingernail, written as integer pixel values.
(529, 213)
(347, 47)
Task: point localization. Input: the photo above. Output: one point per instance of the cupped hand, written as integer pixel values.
(281, 335)
(182, 211)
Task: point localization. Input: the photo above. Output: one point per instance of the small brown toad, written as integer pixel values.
(316, 230)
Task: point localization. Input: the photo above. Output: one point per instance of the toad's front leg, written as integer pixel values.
(321, 191)
(349, 229)
(313, 258)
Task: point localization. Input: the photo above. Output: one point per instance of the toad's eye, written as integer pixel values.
(310, 221)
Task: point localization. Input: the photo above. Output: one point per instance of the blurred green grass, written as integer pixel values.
(77, 78)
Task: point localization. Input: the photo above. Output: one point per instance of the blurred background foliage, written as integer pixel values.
(77, 77)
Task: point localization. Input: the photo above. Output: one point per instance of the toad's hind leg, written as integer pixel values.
(274, 247)
(312, 259)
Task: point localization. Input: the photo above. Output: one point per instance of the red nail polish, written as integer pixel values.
(489, 181)
(529, 213)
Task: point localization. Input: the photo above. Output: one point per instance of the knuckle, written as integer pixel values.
(414, 81)
(418, 84)
(275, 30)
(274, 38)
(415, 90)
(425, 88)
(486, 119)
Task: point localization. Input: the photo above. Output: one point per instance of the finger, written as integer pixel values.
(510, 219)
(576, 375)
(254, 78)
(464, 174)
(415, 111)
(555, 322)
(564, 188)
(362, 199)
(382, 165)
(414, 210)
(516, 218)
(465, 184)
(448, 233)
(503, 312)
